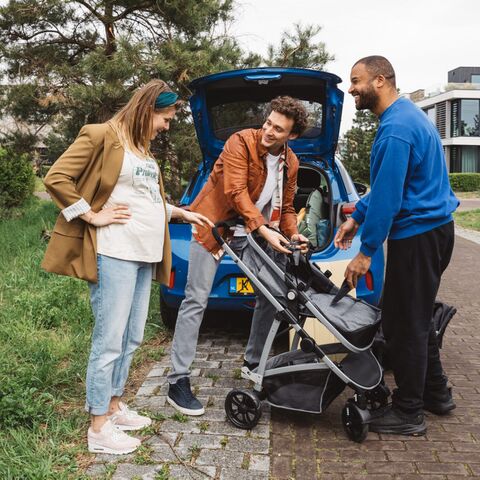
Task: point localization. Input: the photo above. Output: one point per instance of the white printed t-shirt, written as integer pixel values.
(264, 202)
(141, 238)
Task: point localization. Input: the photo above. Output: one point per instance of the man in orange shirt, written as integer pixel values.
(255, 178)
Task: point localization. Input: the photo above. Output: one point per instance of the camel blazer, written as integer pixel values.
(88, 169)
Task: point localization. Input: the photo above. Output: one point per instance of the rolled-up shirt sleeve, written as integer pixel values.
(76, 209)
(169, 210)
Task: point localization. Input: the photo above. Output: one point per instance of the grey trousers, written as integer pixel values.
(202, 268)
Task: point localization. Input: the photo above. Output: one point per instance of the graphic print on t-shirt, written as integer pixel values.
(145, 179)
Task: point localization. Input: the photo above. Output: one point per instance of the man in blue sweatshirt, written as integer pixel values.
(411, 204)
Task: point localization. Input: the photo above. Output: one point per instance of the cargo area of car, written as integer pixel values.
(313, 205)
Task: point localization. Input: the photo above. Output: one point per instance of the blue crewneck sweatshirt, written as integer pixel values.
(410, 191)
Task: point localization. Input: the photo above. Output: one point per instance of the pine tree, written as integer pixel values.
(299, 49)
(68, 63)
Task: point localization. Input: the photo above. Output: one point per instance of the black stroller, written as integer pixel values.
(308, 379)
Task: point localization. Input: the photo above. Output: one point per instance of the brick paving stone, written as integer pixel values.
(220, 458)
(467, 447)
(306, 468)
(125, 471)
(443, 468)
(343, 466)
(190, 473)
(96, 470)
(367, 456)
(260, 463)
(459, 457)
(241, 474)
(391, 467)
(423, 476)
(248, 445)
(412, 456)
(281, 467)
(475, 469)
(367, 476)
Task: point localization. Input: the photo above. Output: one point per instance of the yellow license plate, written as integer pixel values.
(240, 286)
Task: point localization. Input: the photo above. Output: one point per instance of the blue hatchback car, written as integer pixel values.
(224, 103)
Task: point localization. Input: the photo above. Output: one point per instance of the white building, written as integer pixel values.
(456, 114)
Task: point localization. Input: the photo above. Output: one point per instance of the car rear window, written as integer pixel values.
(230, 117)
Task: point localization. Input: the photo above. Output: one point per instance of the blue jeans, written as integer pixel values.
(119, 301)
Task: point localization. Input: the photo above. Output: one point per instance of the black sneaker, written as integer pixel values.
(396, 422)
(180, 396)
(439, 403)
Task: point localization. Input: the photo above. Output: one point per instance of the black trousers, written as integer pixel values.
(414, 269)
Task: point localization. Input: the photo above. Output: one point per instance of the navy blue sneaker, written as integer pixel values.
(180, 396)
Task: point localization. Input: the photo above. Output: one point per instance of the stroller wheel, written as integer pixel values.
(353, 424)
(243, 408)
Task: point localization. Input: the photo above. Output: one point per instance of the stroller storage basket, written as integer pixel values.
(355, 320)
(306, 390)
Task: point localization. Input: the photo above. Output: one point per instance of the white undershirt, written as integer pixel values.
(141, 238)
(264, 202)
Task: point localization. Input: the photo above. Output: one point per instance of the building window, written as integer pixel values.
(430, 112)
(465, 116)
(465, 159)
(475, 78)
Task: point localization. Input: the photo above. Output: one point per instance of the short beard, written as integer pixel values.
(367, 100)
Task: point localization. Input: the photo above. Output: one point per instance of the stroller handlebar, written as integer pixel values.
(225, 224)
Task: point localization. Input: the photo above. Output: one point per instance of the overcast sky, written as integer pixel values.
(423, 39)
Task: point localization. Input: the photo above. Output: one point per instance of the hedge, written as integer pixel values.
(17, 179)
(465, 182)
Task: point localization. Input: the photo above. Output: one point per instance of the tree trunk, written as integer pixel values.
(110, 46)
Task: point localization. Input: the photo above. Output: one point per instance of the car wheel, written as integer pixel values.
(169, 314)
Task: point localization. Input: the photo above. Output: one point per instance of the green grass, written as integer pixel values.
(469, 219)
(39, 186)
(45, 333)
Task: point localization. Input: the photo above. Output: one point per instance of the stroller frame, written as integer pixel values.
(243, 407)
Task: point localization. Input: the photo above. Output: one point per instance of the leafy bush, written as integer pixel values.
(465, 182)
(17, 179)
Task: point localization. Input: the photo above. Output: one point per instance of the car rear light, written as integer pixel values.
(369, 280)
(348, 209)
(171, 283)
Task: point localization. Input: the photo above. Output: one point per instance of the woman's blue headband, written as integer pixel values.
(166, 99)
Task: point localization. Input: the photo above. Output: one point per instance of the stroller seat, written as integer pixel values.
(356, 321)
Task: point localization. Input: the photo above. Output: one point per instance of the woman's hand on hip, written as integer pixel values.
(107, 216)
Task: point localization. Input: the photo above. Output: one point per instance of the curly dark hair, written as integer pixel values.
(292, 108)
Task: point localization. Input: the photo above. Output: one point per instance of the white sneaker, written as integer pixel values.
(126, 419)
(111, 440)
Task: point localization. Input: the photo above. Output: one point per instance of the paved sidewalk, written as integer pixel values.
(308, 447)
(181, 447)
(468, 204)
